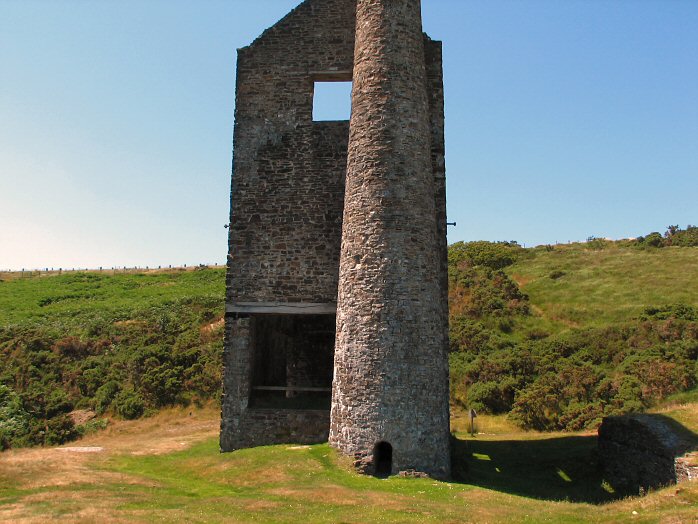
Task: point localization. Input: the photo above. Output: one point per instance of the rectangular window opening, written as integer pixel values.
(331, 101)
(293, 361)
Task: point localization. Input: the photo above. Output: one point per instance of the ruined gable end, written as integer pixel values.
(288, 205)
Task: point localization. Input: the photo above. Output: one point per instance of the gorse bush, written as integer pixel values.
(674, 236)
(568, 382)
(158, 349)
(493, 255)
(677, 311)
(503, 361)
(14, 421)
(129, 404)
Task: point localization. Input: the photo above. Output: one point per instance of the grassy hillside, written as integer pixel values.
(78, 298)
(582, 285)
(127, 344)
(561, 336)
(168, 469)
(573, 332)
(545, 338)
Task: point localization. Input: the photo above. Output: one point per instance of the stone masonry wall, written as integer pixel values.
(288, 183)
(287, 197)
(391, 367)
(287, 202)
(642, 452)
(435, 92)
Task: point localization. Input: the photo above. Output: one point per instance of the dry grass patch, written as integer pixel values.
(142, 475)
(59, 482)
(173, 429)
(66, 506)
(346, 497)
(255, 477)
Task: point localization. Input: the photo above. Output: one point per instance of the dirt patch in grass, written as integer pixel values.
(213, 327)
(65, 479)
(335, 495)
(255, 477)
(170, 430)
(32, 469)
(521, 280)
(257, 505)
(58, 467)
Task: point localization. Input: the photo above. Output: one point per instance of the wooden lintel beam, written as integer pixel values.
(289, 388)
(281, 308)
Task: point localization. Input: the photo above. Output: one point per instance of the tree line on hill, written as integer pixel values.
(674, 236)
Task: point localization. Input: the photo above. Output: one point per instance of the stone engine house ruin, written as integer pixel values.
(336, 303)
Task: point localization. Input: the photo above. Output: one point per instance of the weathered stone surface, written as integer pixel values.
(287, 210)
(391, 368)
(642, 452)
(286, 201)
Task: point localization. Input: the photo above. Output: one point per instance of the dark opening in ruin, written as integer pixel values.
(383, 459)
(293, 358)
(331, 100)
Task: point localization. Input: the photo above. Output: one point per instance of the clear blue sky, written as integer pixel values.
(565, 119)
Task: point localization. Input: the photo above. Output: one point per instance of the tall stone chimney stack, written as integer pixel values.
(390, 389)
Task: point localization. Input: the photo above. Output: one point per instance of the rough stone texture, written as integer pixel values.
(391, 367)
(287, 206)
(642, 452)
(288, 182)
(286, 200)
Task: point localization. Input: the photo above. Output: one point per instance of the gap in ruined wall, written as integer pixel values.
(383, 459)
(331, 98)
(293, 358)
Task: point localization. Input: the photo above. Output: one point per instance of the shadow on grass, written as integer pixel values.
(559, 468)
(567, 468)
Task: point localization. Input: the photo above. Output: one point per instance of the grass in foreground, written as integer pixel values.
(168, 468)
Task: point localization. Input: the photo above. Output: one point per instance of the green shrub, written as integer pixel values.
(60, 430)
(58, 402)
(596, 243)
(493, 255)
(105, 395)
(14, 421)
(653, 240)
(129, 405)
(675, 311)
(92, 426)
(678, 237)
(491, 397)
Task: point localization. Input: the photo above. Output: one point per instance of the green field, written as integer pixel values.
(81, 297)
(599, 287)
(167, 468)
